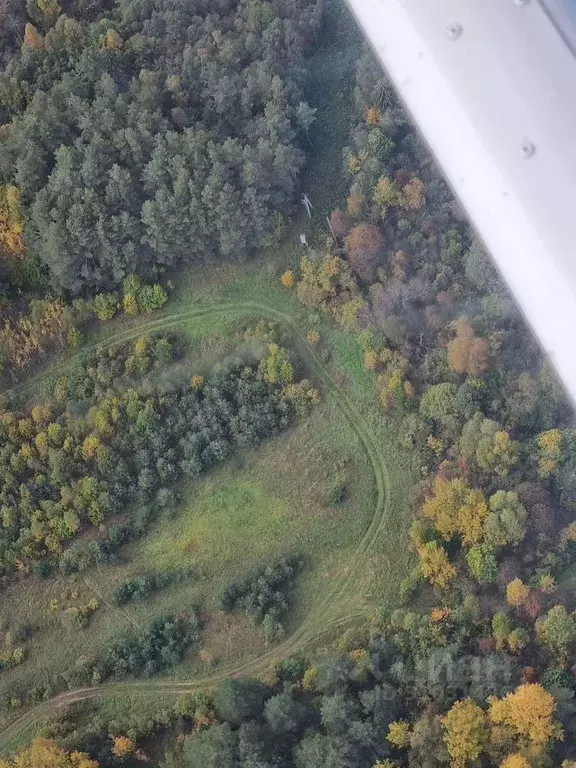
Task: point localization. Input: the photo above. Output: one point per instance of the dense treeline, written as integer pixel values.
(404, 691)
(140, 135)
(356, 709)
(109, 437)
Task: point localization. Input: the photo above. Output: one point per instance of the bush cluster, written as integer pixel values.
(262, 595)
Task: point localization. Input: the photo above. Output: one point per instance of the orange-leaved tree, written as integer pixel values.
(364, 245)
(33, 40)
(468, 353)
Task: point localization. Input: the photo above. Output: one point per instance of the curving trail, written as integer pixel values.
(325, 614)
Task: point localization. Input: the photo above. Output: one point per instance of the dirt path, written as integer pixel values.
(329, 609)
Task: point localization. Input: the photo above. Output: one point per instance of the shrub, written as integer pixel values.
(140, 588)
(336, 493)
(105, 305)
(288, 279)
(152, 297)
(43, 568)
(81, 556)
(130, 304)
(151, 651)
(261, 595)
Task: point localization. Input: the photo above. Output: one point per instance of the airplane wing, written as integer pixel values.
(491, 84)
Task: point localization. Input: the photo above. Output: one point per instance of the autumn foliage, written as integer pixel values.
(123, 746)
(373, 115)
(527, 715)
(468, 353)
(288, 279)
(466, 732)
(364, 245)
(515, 761)
(112, 41)
(413, 198)
(517, 593)
(50, 8)
(549, 444)
(435, 564)
(46, 325)
(399, 734)
(354, 204)
(44, 753)
(33, 40)
(11, 220)
(341, 223)
(456, 509)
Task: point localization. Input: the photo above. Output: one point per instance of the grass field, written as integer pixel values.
(257, 506)
(261, 503)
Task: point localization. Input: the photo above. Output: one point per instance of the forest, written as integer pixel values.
(121, 154)
(141, 138)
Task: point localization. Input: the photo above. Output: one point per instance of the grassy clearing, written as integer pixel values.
(262, 504)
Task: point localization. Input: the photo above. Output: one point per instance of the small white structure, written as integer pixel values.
(303, 240)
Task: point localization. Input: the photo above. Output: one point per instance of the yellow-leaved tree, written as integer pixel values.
(386, 193)
(456, 509)
(399, 734)
(526, 716)
(550, 449)
(373, 115)
(435, 564)
(466, 732)
(517, 593)
(11, 216)
(468, 353)
(112, 41)
(51, 9)
(45, 753)
(413, 195)
(288, 279)
(123, 746)
(515, 761)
